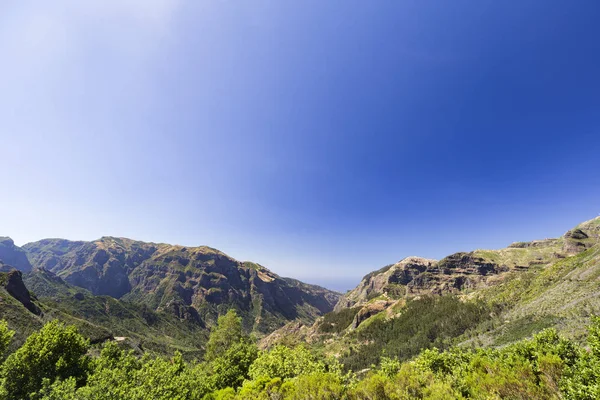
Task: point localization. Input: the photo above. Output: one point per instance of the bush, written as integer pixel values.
(5, 337)
(284, 362)
(424, 323)
(338, 321)
(53, 365)
(55, 352)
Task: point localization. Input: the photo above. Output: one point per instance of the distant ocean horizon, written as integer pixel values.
(342, 284)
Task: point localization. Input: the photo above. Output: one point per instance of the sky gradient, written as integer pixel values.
(322, 139)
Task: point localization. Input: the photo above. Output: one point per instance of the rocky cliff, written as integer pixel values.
(13, 256)
(462, 273)
(12, 282)
(196, 283)
(499, 295)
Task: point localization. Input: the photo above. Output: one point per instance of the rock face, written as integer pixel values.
(13, 283)
(391, 280)
(460, 272)
(13, 256)
(294, 332)
(102, 266)
(195, 283)
(368, 311)
(581, 237)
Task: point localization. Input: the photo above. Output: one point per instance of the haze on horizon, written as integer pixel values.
(322, 140)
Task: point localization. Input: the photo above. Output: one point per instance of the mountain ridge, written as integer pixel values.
(466, 270)
(197, 283)
(500, 295)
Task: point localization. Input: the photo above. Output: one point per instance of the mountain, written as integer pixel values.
(485, 297)
(17, 306)
(164, 297)
(469, 272)
(151, 296)
(13, 256)
(104, 317)
(97, 317)
(193, 283)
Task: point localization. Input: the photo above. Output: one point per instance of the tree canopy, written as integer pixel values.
(56, 363)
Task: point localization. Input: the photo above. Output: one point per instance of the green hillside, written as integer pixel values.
(481, 298)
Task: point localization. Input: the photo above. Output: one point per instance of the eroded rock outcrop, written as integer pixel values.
(391, 279)
(13, 283)
(368, 311)
(462, 272)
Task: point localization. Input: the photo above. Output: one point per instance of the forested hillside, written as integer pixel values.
(58, 363)
(516, 323)
(482, 298)
(192, 283)
(153, 297)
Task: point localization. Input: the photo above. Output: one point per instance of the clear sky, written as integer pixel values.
(322, 139)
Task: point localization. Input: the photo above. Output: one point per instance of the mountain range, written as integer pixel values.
(477, 298)
(164, 297)
(117, 287)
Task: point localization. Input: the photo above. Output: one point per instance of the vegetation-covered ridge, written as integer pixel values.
(472, 325)
(481, 298)
(58, 363)
(195, 284)
(98, 318)
(151, 296)
(466, 271)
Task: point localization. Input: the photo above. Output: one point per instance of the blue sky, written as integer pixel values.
(322, 139)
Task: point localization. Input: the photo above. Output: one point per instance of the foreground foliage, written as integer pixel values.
(55, 363)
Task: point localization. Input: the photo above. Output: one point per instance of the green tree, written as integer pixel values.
(113, 375)
(315, 386)
(160, 379)
(231, 369)
(59, 390)
(225, 334)
(55, 352)
(284, 362)
(582, 380)
(5, 337)
(263, 388)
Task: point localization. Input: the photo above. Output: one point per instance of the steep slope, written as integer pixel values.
(102, 266)
(13, 256)
(563, 293)
(391, 281)
(193, 283)
(17, 306)
(473, 272)
(490, 297)
(102, 317)
(98, 317)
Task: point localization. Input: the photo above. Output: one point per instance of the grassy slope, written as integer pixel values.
(544, 287)
(19, 319)
(99, 317)
(563, 294)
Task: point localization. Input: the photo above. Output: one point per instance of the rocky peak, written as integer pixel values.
(386, 280)
(586, 230)
(416, 276)
(13, 283)
(582, 237)
(13, 255)
(191, 283)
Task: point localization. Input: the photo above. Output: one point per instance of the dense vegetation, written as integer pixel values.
(58, 363)
(338, 321)
(423, 323)
(195, 284)
(422, 329)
